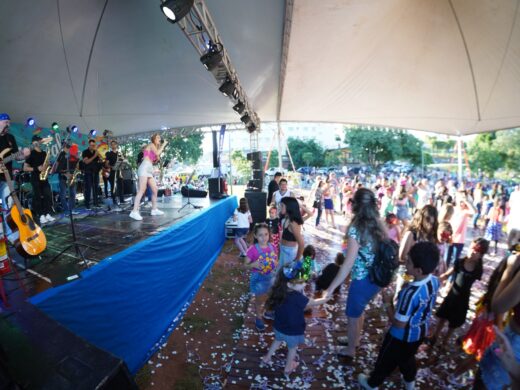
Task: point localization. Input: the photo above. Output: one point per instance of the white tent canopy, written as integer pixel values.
(445, 66)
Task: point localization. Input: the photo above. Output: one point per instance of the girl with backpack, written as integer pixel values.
(364, 234)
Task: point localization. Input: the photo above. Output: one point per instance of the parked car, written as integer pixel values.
(304, 170)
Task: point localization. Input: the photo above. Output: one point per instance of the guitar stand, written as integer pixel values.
(75, 244)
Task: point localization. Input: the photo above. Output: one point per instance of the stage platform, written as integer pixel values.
(142, 276)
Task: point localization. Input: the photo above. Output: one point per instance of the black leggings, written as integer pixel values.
(42, 198)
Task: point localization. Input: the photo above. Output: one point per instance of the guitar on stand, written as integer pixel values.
(32, 241)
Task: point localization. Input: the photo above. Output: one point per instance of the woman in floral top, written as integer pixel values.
(363, 235)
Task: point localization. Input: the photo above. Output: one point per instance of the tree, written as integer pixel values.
(185, 149)
(332, 157)
(273, 161)
(411, 148)
(299, 148)
(508, 142)
(242, 165)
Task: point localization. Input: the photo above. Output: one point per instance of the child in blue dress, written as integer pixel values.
(288, 302)
(261, 260)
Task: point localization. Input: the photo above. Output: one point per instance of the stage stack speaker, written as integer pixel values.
(216, 187)
(257, 181)
(257, 201)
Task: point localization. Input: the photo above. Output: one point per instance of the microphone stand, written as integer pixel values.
(188, 203)
(75, 244)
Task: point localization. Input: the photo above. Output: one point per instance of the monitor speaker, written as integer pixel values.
(257, 201)
(215, 187)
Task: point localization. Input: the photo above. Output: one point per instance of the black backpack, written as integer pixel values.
(385, 263)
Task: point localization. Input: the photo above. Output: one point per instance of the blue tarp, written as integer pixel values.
(129, 303)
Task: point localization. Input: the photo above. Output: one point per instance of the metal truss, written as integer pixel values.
(199, 28)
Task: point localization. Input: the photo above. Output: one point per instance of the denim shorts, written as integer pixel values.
(291, 341)
(260, 284)
(241, 232)
(360, 293)
(493, 373)
(287, 255)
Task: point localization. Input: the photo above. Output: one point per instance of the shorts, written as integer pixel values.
(492, 372)
(260, 284)
(360, 293)
(145, 169)
(287, 255)
(291, 341)
(241, 232)
(329, 205)
(402, 213)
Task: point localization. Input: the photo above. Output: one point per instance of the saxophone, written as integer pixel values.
(72, 179)
(46, 167)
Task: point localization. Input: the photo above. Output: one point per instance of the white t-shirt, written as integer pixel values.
(423, 197)
(278, 196)
(242, 219)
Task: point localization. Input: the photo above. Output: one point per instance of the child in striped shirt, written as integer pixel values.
(410, 318)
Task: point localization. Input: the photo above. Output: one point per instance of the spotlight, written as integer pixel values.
(74, 129)
(251, 128)
(175, 10)
(213, 56)
(228, 88)
(92, 133)
(239, 107)
(107, 133)
(246, 118)
(30, 122)
(55, 126)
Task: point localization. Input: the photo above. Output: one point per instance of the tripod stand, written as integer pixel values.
(188, 203)
(75, 244)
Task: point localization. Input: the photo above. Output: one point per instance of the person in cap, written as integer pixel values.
(42, 196)
(67, 162)
(8, 146)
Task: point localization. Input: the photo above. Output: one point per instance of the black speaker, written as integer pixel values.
(257, 201)
(256, 164)
(254, 185)
(215, 187)
(128, 187)
(258, 174)
(192, 193)
(252, 156)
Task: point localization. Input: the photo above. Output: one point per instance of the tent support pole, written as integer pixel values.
(459, 165)
(279, 145)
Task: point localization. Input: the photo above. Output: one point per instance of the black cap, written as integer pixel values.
(36, 138)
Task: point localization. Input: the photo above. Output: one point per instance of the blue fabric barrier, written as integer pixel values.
(129, 303)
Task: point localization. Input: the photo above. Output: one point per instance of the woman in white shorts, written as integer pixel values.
(145, 176)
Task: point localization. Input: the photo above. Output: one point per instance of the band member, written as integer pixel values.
(91, 162)
(111, 158)
(67, 163)
(145, 176)
(37, 163)
(7, 141)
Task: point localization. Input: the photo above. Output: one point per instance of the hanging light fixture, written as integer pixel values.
(30, 122)
(92, 133)
(175, 10)
(212, 57)
(55, 126)
(228, 88)
(239, 107)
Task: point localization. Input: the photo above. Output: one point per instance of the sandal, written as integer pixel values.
(295, 365)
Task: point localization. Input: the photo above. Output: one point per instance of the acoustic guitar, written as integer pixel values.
(31, 241)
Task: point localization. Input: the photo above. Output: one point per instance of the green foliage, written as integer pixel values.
(243, 167)
(184, 149)
(332, 157)
(273, 160)
(490, 152)
(377, 145)
(306, 153)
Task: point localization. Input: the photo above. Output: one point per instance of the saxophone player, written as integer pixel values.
(67, 164)
(38, 164)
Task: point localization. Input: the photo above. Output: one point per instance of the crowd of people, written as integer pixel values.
(428, 221)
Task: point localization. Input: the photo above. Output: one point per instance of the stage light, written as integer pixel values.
(92, 133)
(74, 128)
(251, 128)
(246, 118)
(212, 57)
(107, 133)
(228, 88)
(175, 10)
(55, 126)
(30, 122)
(239, 107)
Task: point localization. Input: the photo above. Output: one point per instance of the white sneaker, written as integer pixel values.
(157, 212)
(135, 215)
(409, 385)
(43, 220)
(50, 218)
(363, 382)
